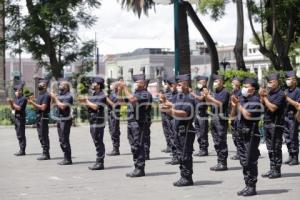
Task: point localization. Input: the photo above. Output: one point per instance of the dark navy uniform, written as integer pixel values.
(97, 124)
(201, 120)
(237, 93)
(185, 135)
(43, 121)
(137, 115)
(64, 124)
(273, 122)
(114, 123)
(291, 125)
(165, 124)
(20, 120)
(147, 127)
(248, 138)
(219, 125)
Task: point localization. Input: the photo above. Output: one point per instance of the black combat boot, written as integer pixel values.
(44, 156)
(174, 161)
(147, 156)
(266, 174)
(276, 173)
(20, 153)
(219, 167)
(184, 181)
(240, 193)
(136, 173)
(114, 152)
(97, 166)
(250, 191)
(235, 157)
(65, 162)
(202, 153)
(294, 160)
(167, 150)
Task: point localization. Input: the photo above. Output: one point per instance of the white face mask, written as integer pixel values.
(233, 86)
(179, 89)
(269, 85)
(165, 87)
(135, 86)
(288, 83)
(215, 85)
(245, 92)
(199, 86)
(111, 87)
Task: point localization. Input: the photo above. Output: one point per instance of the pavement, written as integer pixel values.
(27, 178)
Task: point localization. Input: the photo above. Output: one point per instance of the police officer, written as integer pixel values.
(19, 106)
(201, 117)
(183, 113)
(114, 118)
(165, 121)
(63, 102)
(42, 106)
(138, 103)
(247, 110)
(96, 108)
(291, 125)
(274, 101)
(168, 120)
(148, 123)
(219, 123)
(236, 92)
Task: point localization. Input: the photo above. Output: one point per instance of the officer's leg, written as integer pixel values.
(97, 133)
(198, 130)
(114, 129)
(20, 132)
(234, 138)
(43, 131)
(269, 130)
(278, 149)
(46, 135)
(295, 143)
(147, 139)
(66, 134)
(166, 133)
(223, 142)
(204, 136)
(187, 161)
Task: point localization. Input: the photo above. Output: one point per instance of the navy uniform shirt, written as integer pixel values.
(171, 97)
(200, 104)
(44, 98)
(253, 105)
(22, 102)
(65, 98)
(294, 94)
(185, 103)
(275, 97)
(114, 98)
(98, 98)
(149, 108)
(138, 111)
(223, 96)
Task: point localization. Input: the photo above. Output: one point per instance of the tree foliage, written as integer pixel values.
(48, 29)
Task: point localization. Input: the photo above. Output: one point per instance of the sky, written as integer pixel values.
(119, 30)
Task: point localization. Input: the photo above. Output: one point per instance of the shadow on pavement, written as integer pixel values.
(125, 154)
(207, 182)
(83, 162)
(33, 154)
(160, 173)
(266, 192)
(234, 168)
(160, 158)
(286, 175)
(118, 167)
(199, 161)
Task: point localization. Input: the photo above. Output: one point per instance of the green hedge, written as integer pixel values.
(5, 115)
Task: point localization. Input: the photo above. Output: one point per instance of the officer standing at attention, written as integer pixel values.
(96, 109)
(201, 116)
(114, 118)
(274, 102)
(63, 101)
(219, 123)
(291, 125)
(236, 92)
(148, 123)
(138, 103)
(247, 110)
(168, 123)
(19, 106)
(42, 106)
(183, 113)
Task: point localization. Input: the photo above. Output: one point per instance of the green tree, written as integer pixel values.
(279, 29)
(48, 29)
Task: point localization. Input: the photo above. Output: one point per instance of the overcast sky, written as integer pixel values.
(119, 30)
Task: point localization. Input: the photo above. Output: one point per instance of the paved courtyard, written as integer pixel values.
(27, 178)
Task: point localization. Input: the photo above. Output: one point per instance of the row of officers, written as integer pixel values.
(186, 113)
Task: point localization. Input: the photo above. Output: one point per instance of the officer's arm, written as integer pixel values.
(177, 113)
(245, 113)
(42, 107)
(292, 102)
(200, 98)
(269, 105)
(131, 98)
(91, 105)
(109, 102)
(16, 107)
(60, 104)
(298, 116)
(212, 100)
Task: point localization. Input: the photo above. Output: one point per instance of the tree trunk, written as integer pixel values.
(239, 44)
(214, 58)
(183, 44)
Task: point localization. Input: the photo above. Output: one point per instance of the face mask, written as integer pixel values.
(199, 86)
(179, 89)
(172, 89)
(245, 92)
(111, 87)
(215, 85)
(165, 87)
(135, 87)
(269, 85)
(288, 83)
(17, 94)
(40, 87)
(233, 86)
